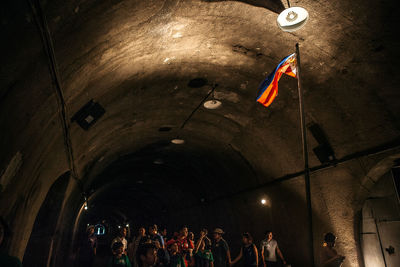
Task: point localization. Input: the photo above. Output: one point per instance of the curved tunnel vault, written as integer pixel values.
(136, 59)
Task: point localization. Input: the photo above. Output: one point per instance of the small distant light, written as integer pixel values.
(119, 226)
(127, 225)
(177, 35)
(158, 161)
(263, 201)
(178, 141)
(212, 104)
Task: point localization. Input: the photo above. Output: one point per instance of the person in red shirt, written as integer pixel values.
(185, 245)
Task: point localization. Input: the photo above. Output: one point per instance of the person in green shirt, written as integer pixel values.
(119, 259)
(202, 253)
(5, 259)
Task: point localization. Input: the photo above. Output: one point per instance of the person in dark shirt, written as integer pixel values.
(119, 258)
(176, 259)
(248, 252)
(162, 255)
(5, 259)
(146, 255)
(329, 255)
(220, 249)
(155, 236)
(87, 248)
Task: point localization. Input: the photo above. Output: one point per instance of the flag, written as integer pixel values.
(268, 89)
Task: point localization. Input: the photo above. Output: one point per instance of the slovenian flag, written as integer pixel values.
(268, 89)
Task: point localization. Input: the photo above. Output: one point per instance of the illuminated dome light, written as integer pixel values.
(212, 104)
(292, 19)
(178, 141)
(263, 201)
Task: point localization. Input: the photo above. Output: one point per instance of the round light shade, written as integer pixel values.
(292, 19)
(212, 104)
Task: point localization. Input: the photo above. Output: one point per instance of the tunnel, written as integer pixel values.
(129, 113)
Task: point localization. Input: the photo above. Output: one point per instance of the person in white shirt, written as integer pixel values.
(121, 238)
(269, 249)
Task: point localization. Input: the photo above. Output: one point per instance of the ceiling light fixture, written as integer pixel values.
(212, 104)
(178, 141)
(292, 18)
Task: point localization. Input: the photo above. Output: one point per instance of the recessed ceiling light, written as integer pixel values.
(197, 82)
(292, 19)
(158, 161)
(178, 141)
(164, 129)
(212, 104)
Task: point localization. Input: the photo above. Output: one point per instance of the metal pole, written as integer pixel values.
(305, 156)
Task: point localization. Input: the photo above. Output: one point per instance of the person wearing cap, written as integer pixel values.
(87, 248)
(329, 255)
(220, 249)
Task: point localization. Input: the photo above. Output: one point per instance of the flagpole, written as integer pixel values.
(305, 156)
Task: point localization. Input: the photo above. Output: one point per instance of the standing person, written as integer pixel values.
(162, 255)
(118, 259)
(155, 236)
(186, 246)
(176, 259)
(139, 240)
(5, 259)
(220, 249)
(146, 255)
(329, 255)
(121, 238)
(248, 252)
(191, 236)
(87, 248)
(269, 249)
(202, 253)
(163, 233)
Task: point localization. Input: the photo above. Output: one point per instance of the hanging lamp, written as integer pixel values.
(292, 18)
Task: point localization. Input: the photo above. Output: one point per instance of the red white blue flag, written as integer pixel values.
(268, 89)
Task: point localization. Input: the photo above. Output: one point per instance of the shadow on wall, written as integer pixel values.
(42, 236)
(273, 5)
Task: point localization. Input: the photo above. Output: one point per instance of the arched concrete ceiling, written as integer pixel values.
(136, 59)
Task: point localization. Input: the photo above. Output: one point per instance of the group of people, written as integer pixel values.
(182, 250)
(154, 249)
